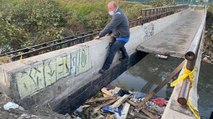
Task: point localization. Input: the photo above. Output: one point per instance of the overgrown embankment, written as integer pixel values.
(29, 22)
(208, 45)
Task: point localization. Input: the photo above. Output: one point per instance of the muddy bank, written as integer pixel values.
(10, 110)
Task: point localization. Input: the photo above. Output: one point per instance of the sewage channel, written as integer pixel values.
(150, 71)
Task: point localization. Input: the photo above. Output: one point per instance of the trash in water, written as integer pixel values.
(113, 110)
(117, 103)
(159, 101)
(162, 56)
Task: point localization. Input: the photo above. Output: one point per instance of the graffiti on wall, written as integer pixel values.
(149, 30)
(40, 75)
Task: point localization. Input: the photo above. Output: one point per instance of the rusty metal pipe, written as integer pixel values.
(184, 92)
(191, 53)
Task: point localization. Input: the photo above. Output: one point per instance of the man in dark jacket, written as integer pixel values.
(119, 30)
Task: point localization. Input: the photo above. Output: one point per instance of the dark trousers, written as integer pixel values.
(115, 46)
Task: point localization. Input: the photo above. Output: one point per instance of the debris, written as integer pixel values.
(12, 105)
(24, 116)
(85, 106)
(28, 116)
(112, 110)
(141, 116)
(159, 101)
(11, 110)
(105, 104)
(132, 103)
(109, 116)
(106, 92)
(162, 56)
(207, 59)
(116, 90)
(122, 92)
(138, 95)
(148, 113)
(125, 110)
(120, 101)
(99, 99)
(80, 109)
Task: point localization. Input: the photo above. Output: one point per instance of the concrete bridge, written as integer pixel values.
(65, 78)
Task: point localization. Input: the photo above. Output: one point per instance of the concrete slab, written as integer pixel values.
(175, 39)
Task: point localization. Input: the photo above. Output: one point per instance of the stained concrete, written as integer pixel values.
(175, 39)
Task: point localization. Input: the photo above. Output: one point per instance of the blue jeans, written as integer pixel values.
(116, 45)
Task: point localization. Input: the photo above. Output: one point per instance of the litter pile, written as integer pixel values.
(10, 110)
(117, 103)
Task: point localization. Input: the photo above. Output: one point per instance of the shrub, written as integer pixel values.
(29, 22)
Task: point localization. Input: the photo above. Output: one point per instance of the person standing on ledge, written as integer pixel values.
(118, 27)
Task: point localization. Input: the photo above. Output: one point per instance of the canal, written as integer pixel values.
(150, 71)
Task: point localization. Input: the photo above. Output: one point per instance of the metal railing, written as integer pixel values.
(51, 46)
(151, 14)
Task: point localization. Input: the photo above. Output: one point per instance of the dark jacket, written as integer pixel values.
(119, 26)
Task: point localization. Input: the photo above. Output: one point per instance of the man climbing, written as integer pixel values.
(118, 27)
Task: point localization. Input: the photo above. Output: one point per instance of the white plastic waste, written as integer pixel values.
(162, 56)
(12, 105)
(78, 118)
(80, 109)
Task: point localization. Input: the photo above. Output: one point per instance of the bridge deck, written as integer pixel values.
(176, 38)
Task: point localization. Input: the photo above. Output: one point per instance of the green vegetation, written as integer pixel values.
(29, 22)
(208, 44)
(159, 3)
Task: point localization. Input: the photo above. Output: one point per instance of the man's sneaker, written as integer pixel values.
(102, 71)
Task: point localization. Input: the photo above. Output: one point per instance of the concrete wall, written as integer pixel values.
(54, 75)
